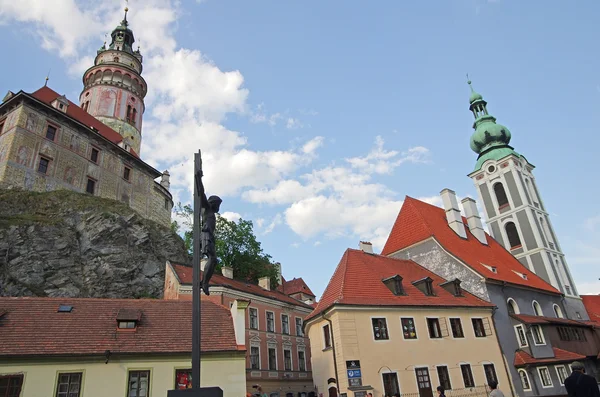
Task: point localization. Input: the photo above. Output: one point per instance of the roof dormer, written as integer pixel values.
(128, 319)
(453, 286)
(61, 103)
(425, 285)
(394, 284)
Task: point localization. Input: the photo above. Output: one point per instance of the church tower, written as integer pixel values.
(114, 90)
(517, 217)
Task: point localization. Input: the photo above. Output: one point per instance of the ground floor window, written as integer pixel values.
(524, 380)
(490, 373)
(69, 385)
(444, 377)
(561, 371)
(545, 377)
(139, 384)
(467, 375)
(183, 379)
(390, 384)
(10, 385)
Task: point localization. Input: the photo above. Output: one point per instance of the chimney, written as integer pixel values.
(473, 219)
(453, 213)
(366, 246)
(265, 282)
(238, 314)
(227, 272)
(165, 181)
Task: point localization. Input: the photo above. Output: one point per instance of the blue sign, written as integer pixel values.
(354, 373)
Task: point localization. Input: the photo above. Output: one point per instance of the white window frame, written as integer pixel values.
(519, 337)
(462, 376)
(289, 349)
(259, 361)
(517, 311)
(288, 322)
(250, 319)
(402, 329)
(449, 374)
(439, 327)
(539, 370)
(387, 329)
(296, 329)
(461, 327)
(269, 347)
(298, 350)
(556, 367)
(267, 321)
(537, 326)
(526, 377)
(533, 305)
(482, 325)
(559, 313)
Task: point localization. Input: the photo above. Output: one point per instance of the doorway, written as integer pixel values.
(390, 384)
(424, 382)
(332, 392)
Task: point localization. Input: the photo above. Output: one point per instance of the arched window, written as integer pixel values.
(85, 106)
(557, 311)
(134, 116)
(524, 379)
(128, 117)
(513, 308)
(500, 195)
(513, 235)
(537, 309)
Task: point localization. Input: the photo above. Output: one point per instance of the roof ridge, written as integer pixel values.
(345, 274)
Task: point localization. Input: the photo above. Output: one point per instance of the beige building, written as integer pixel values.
(48, 142)
(387, 326)
(65, 347)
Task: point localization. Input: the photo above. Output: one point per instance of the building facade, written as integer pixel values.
(516, 214)
(115, 347)
(49, 143)
(536, 337)
(278, 352)
(391, 327)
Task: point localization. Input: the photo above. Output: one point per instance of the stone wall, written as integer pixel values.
(23, 142)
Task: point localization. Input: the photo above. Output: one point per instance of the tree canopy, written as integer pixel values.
(236, 246)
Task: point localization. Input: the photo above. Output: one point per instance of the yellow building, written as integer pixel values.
(67, 347)
(391, 327)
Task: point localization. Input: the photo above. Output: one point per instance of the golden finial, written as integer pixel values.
(47, 78)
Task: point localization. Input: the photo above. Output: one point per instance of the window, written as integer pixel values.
(287, 360)
(270, 322)
(255, 357)
(568, 289)
(429, 288)
(1, 126)
(478, 327)
(490, 373)
(253, 318)
(183, 379)
(127, 324)
(467, 375)
(43, 165)
(138, 383)
(521, 335)
(301, 361)
(285, 324)
(128, 116)
(272, 359)
(537, 309)
(538, 335)
(380, 331)
(500, 195)
(545, 377)
(456, 326)
(513, 235)
(85, 106)
(408, 328)
(513, 308)
(524, 380)
(390, 384)
(127, 173)
(327, 336)
(561, 371)
(91, 186)
(134, 117)
(434, 328)
(557, 311)
(394, 284)
(578, 315)
(10, 386)
(51, 132)
(94, 155)
(571, 334)
(69, 385)
(444, 377)
(299, 327)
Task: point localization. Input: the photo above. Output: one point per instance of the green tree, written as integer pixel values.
(236, 246)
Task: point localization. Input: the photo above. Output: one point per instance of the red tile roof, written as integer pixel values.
(357, 281)
(184, 273)
(529, 319)
(418, 221)
(32, 326)
(295, 286)
(47, 95)
(523, 358)
(592, 306)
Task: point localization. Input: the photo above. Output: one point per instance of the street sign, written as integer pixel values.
(354, 373)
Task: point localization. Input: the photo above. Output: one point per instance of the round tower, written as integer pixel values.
(114, 89)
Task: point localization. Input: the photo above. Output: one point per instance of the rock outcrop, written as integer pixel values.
(64, 243)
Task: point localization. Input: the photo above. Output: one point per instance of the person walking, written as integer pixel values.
(579, 384)
(495, 391)
(441, 392)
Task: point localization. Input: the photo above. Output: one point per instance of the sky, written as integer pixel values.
(316, 118)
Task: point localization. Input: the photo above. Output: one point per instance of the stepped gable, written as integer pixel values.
(418, 221)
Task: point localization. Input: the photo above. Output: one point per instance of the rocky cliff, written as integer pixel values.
(64, 243)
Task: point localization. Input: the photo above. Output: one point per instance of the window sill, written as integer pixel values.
(503, 207)
(516, 247)
(328, 348)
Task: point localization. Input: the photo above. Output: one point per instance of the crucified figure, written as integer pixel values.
(210, 207)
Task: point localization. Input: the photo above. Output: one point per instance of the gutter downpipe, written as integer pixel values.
(335, 367)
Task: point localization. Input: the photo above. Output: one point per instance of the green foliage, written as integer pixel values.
(236, 246)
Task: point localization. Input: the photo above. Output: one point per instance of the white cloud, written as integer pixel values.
(293, 123)
(382, 161)
(231, 216)
(277, 220)
(589, 288)
(311, 146)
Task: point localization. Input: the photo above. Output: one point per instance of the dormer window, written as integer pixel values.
(61, 103)
(452, 286)
(127, 324)
(128, 319)
(425, 285)
(394, 284)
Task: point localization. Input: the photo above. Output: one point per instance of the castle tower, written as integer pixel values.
(517, 217)
(114, 90)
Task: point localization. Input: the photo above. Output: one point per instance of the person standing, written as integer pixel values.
(441, 392)
(579, 384)
(495, 391)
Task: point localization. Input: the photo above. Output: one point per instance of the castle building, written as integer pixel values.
(515, 211)
(49, 143)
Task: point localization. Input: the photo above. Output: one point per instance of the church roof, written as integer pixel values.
(358, 281)
(419, 221)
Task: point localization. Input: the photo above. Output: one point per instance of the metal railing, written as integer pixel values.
(477, 391)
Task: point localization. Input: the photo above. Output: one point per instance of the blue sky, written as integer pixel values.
(317, 118)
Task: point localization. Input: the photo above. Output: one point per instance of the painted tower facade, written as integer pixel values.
(516, 215)
(114, 89)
